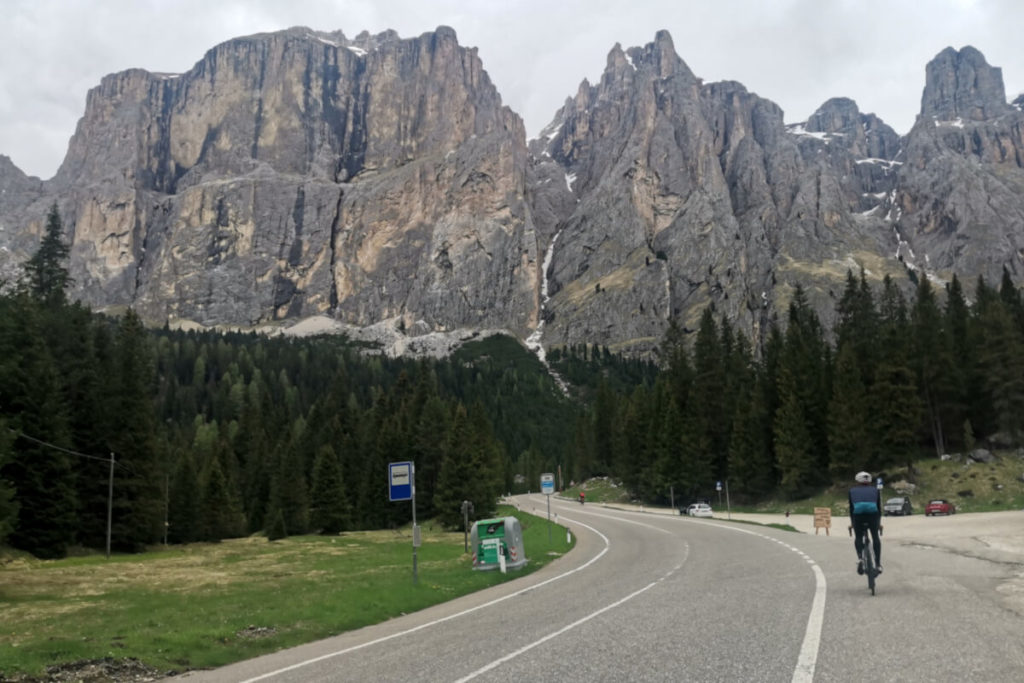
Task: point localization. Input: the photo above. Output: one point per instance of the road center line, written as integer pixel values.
(314, 660)
(512, 655)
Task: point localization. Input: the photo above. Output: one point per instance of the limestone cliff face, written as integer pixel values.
(297, 173)
(692, 195)
(372, 179)
(961, 187)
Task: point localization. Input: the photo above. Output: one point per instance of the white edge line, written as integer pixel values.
(808, 659)
(804, 672)
(329, 655)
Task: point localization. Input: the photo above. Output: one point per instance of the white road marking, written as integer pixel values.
(808, 659)
(526, 648)
(314, 660)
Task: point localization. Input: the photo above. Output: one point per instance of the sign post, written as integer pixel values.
(822, 520)
(718, 487)
(467, 510)
(402, 486)
(547, 487)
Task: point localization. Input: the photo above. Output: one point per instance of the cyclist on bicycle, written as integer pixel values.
(866, 514)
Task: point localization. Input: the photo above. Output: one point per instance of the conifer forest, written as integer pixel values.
(158, 435)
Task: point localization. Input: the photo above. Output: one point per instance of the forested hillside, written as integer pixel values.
(217, 435)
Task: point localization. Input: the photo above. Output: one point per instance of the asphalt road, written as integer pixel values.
(654, 597)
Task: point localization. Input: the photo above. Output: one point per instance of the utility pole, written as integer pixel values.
(110, 502)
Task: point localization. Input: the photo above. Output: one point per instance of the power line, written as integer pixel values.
(68, 450)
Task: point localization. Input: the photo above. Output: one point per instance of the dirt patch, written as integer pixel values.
(106, 670)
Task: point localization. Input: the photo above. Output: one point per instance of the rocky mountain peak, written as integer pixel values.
(863, 135)
(962, 85)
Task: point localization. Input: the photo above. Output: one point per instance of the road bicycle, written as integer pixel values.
(867, 556)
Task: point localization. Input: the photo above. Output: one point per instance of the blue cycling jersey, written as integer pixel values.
(865, 500)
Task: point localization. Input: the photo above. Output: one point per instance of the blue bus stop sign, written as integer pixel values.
(400, 481)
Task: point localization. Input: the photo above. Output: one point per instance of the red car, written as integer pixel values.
(939, 507)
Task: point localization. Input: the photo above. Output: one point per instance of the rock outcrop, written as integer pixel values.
(380, 181)
(296, 173)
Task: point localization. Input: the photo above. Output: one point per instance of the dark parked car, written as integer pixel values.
(939, 507)
(898, 506)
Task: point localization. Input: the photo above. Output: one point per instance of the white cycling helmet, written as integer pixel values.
(863, 478)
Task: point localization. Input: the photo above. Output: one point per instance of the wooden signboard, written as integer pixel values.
(822, 520)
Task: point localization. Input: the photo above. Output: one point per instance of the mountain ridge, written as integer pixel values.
(381, 181)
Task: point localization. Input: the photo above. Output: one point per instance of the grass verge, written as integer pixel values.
(207, 605)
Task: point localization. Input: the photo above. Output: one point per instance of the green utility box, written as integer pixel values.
(494, 539)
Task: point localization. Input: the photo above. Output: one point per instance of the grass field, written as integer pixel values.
(206, 605)
(971, 486)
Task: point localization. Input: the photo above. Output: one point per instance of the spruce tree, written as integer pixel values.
(932, 361)
(39, 469)
(794, 447)
(850, 432)
(897, 413)
(183, 514)
(138, 483)
(1001, 355)
(751, 462)
(329, 509)
(955, 323)
(219, 516)
(8, 506)
(46, 277)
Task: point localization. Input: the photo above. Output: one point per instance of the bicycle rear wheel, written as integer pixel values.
(869, 566)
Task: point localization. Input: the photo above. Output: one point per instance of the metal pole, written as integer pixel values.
(414, 574)
(110, 502)
(167, 505)
(672, 499)
(728, 504)
(549, 518)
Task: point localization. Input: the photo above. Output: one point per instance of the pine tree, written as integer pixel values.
(329, 510)
(137, 515)
(289, 493)
(8, 506)
(183, 513)
(897, 413)
(793, 446)
(220, 516)
(39, 469)
(1001, 356)
(932, 361)
(429, 448)
(850, 433)
(751, 466)
(46, 277)
(956, 321)
(803, 367)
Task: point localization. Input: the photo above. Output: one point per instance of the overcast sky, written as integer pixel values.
(797, 53)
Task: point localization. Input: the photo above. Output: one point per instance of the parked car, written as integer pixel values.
(939, 507)
(688, 510)
(701, 510)
(898, 506)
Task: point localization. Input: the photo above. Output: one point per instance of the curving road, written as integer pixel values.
(653, 597)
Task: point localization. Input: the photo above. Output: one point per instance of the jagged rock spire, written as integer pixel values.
(962, 85)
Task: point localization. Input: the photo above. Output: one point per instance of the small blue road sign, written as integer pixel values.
(400, 481)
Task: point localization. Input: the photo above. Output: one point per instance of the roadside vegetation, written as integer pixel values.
(208, 604)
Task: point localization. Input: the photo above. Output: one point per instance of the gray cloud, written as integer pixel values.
(797, 53)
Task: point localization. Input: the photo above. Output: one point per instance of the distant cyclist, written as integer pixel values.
(866, 513)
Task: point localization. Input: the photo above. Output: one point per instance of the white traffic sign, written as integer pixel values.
(547, 484)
